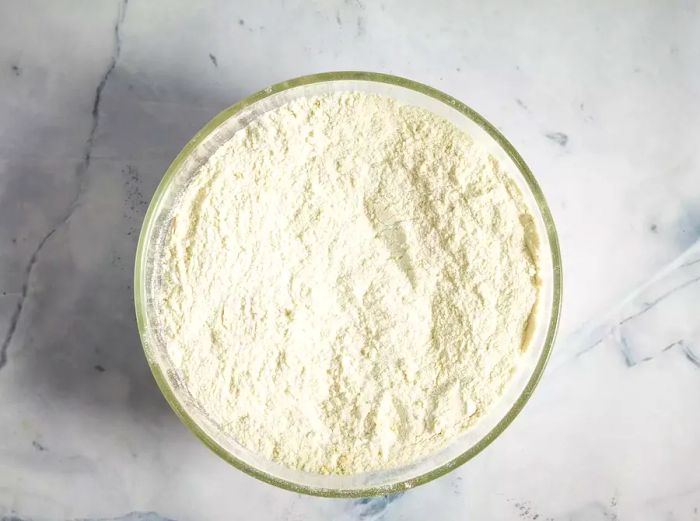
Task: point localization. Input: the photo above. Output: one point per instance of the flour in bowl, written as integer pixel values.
(348, 283)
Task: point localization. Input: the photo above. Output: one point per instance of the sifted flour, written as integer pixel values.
(347, 283)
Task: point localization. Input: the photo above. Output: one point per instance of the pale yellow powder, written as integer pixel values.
(347, 283)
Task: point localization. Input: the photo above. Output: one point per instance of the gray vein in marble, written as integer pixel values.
(631, 362)
(103, 82)
(559, 138)
(649, 305)
(596, 335)
(527, 511)
(360, 26)
(669, 346)
(131, 516)
(14, 319)
(80, 173)
(690, 263)
(626, 352)
(595, 510)
(690, 355)
(38, 446)
(589, 347)
(375, 507)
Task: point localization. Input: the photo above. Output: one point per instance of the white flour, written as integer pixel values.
(347, 284)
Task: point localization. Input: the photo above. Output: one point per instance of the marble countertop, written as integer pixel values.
(96, 98)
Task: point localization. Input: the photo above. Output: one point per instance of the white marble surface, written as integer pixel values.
(601, 98)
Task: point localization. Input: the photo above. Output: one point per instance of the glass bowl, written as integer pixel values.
(458, 450)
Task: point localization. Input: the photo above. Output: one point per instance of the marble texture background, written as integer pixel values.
(602, 100)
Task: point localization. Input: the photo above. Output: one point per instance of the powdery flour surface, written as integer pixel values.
(347, 283)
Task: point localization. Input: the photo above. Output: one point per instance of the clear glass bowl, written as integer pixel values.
(460, 449)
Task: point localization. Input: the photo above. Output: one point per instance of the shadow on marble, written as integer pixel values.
(74, 216)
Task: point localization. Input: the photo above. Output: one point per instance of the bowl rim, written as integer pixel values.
(208, 128)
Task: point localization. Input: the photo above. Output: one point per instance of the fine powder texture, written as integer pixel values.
(348, 283)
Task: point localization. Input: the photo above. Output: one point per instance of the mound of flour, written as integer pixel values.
(347, 283)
